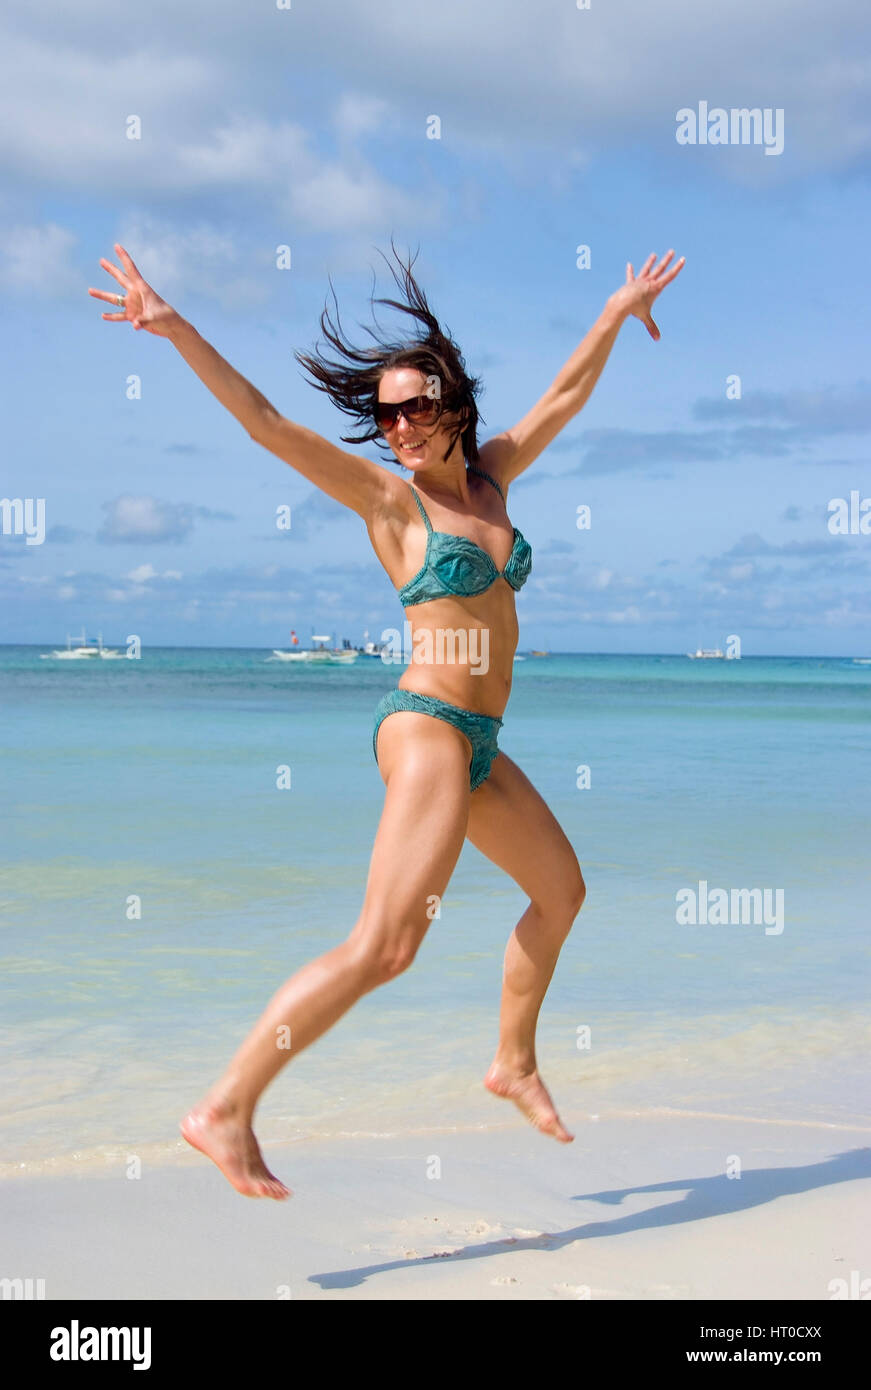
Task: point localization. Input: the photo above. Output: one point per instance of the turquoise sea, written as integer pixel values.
(156, 780)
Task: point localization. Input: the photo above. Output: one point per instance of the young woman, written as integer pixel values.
(450, 550)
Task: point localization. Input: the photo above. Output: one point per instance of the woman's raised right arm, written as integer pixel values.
(358, 483)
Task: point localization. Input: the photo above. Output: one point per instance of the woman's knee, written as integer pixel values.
(564, 895)
(383, 951)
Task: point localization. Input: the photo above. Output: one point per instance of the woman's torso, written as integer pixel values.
(460, 647)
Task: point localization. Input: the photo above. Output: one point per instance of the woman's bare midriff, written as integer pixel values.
(462, 649)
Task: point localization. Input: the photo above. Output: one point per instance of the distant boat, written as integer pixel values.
(319, 655)
(862, 660)
(518, 657)
(85, 650)
(370, 648)
(534, 653)
(706, 654)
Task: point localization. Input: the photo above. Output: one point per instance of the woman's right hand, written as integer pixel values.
(142, 306)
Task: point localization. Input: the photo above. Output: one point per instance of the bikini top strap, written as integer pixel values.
(482, 474)
(420, 507)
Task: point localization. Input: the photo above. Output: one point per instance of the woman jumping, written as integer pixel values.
(450, 550)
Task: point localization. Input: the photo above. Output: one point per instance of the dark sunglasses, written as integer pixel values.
(419, 410)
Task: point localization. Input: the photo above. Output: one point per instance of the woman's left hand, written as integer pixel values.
(639, 292)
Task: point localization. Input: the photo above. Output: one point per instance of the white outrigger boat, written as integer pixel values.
(707, 654)
(320, 655)
(85, 650)
(370, 648)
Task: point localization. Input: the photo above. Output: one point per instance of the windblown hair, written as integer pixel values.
(354, 387)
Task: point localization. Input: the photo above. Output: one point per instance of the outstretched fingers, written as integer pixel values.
(649, 284)
(662, 264)
(109, 298)
(659, 278)
(114, 271)
(127, 262)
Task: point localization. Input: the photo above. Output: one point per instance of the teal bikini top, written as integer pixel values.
(455, 565)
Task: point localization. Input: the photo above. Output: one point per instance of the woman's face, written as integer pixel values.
(415, 445)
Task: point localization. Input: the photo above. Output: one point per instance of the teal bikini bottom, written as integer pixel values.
(480, 729)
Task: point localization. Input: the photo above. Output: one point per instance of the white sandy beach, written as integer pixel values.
(638, 1207)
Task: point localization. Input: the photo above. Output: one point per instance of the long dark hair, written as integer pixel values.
(354, 388)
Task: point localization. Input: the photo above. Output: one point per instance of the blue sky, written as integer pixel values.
(307, 127)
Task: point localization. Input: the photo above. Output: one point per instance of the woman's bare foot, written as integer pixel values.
(213, 1129)
(529, 1093)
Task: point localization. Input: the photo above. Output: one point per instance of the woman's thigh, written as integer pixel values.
(511, 823)
(424, 763)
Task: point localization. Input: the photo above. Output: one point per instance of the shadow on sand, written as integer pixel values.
(700, 1199)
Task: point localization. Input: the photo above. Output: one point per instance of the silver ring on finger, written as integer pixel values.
(120, 300)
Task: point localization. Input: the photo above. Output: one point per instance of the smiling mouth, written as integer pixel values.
(413, 448)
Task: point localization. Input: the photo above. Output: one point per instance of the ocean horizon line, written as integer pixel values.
(244, 647)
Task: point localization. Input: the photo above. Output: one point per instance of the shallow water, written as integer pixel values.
(156, 780)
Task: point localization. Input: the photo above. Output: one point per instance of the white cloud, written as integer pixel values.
(247, 151)
(201, 259)
(36, 260)
(131, 519)
(619, 616)
(63, 108)
(511, 80)
(63, 119)
(359, 114)
(339, 199)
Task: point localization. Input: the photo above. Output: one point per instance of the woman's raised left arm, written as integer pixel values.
(509, 453)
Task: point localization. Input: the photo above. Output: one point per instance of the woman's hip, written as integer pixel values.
(480, 729)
